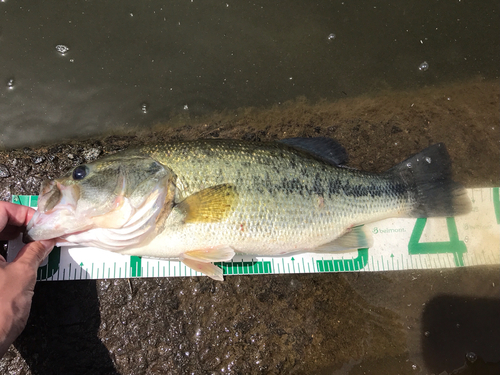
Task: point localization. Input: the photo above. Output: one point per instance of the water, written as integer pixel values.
(424, 66)
(394, 79)
(62, 49)
(10, 83)
(213, 56)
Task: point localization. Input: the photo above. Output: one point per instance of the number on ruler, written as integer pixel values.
(453, 246)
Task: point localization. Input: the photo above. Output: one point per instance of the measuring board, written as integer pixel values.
(399, 244)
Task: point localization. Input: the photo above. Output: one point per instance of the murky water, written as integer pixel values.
(395, 78)
(90, 67)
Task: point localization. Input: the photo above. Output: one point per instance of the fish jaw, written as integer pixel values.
(57, 213)
(56, 224)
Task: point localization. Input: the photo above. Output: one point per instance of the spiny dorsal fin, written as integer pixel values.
(209, 205)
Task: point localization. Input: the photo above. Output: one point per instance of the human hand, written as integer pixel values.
(17, 279)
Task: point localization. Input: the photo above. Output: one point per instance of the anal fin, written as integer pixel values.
(355, 238)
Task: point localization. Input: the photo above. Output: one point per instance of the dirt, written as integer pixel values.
(353, 323)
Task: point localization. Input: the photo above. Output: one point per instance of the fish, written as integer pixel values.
(204, 201)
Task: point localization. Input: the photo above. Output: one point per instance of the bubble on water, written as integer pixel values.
(331, 37)
(471, 357)
(424, 66)
(408, 165)
(185, 107)
(414, 367)
(144, 107)
(10, 83)
(427, 333)
(428, 159)
(71, 60)
(62, 49)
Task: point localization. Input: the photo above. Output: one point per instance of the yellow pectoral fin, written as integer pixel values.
(209, 205)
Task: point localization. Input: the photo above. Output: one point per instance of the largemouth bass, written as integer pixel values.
(203, 201)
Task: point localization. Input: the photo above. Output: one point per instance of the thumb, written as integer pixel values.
(35, 252)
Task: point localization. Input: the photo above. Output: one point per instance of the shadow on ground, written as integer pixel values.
(61, 336)
(455, 325)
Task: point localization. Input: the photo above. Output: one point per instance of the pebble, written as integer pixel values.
(38, 159)
(4, 171)
(91, 154)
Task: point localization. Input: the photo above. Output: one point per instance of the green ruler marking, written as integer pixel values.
(342, 265)
(496, 203)
(135, 266)
(244, 268)
(453, 246)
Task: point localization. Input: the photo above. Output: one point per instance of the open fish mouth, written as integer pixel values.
(56, 214)
(54, 194)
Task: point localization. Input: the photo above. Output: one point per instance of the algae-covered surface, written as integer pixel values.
(404, 322)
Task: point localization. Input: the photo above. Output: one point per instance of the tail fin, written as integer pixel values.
(428, 175)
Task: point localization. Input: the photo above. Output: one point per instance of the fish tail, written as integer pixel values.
(431, 189)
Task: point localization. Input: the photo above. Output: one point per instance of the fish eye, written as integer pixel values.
(80, 172)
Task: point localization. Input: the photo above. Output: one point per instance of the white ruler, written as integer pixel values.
(399, 244)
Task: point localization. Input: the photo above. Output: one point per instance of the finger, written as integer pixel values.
(34, 253)
(15, 214)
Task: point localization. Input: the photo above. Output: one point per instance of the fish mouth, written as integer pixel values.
(54, 195)
(56, 205)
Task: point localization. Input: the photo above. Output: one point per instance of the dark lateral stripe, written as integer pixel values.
(332, 187)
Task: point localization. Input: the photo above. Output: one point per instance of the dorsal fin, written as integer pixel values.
(323, 148)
